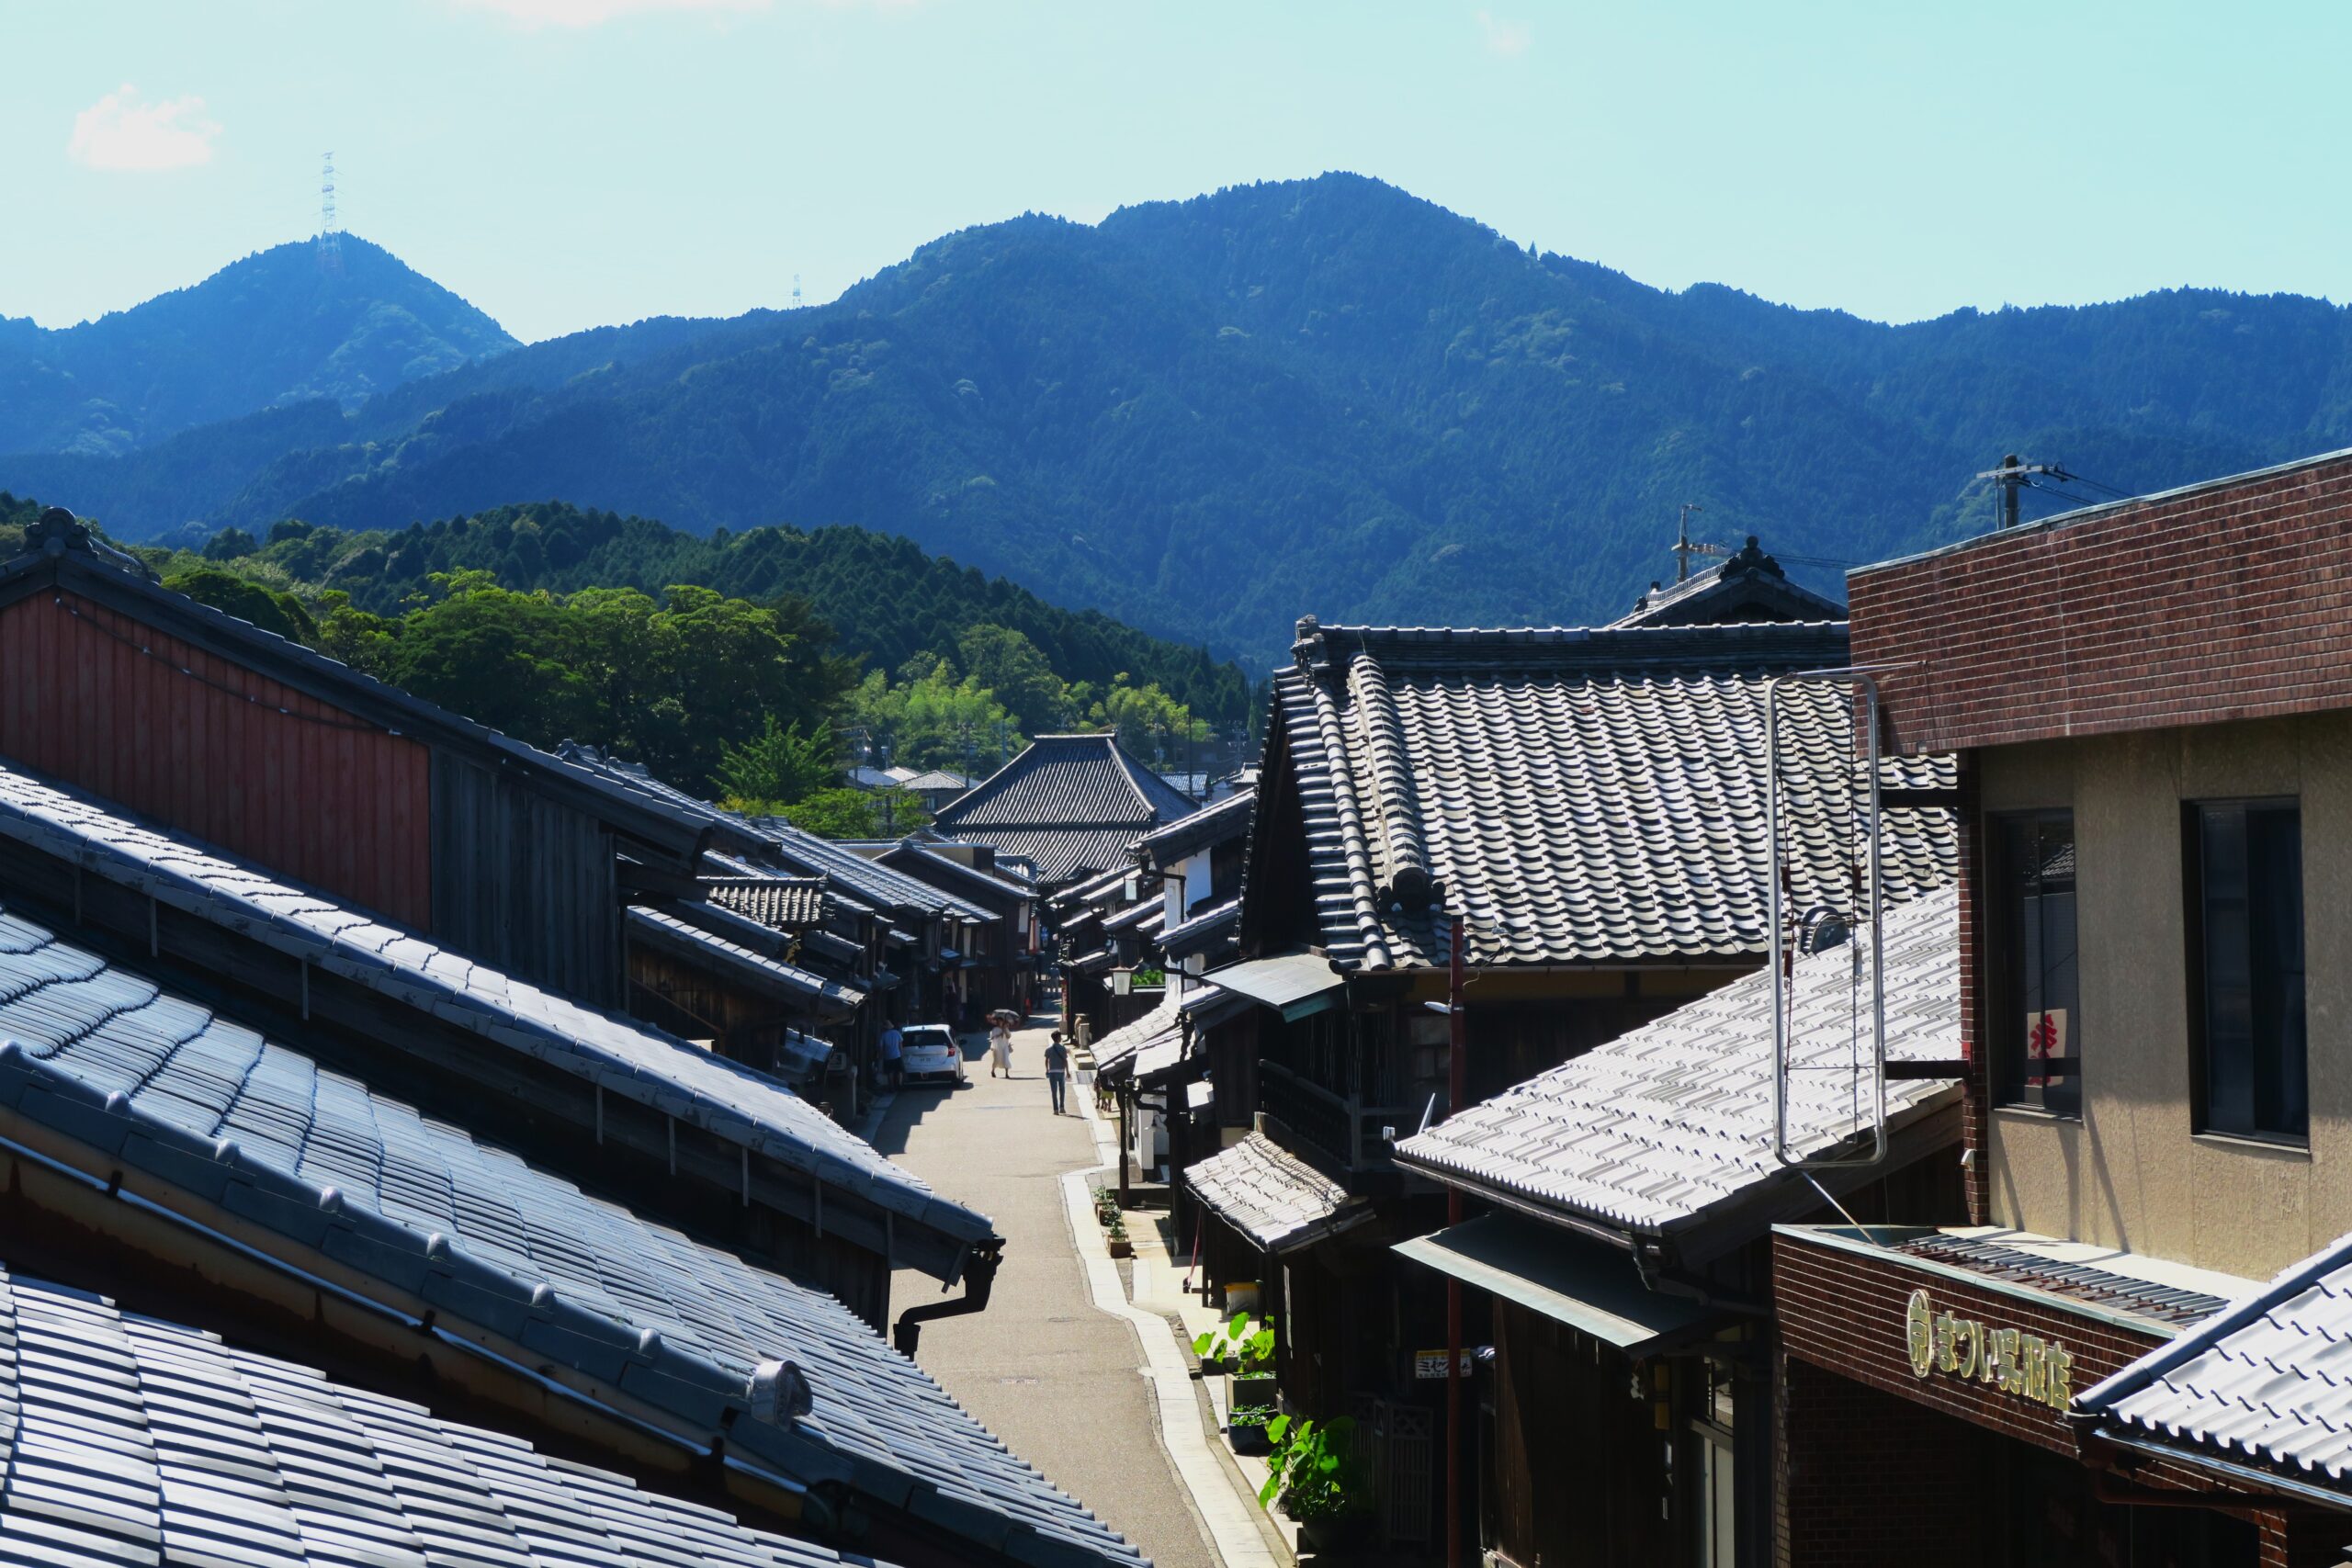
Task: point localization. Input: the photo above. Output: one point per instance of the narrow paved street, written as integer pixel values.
(1057, 1380)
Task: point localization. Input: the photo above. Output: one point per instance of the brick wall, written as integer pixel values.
(2231, 601)
(1876, 1464)
(1845, 1311)
(1864, 1479)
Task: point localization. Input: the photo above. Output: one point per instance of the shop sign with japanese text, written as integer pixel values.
(2025, 1365)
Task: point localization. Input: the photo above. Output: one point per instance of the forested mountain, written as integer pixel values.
(1208, 417)
(276, 328)
(885, 599)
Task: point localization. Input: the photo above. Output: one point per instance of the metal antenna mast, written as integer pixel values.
(795, 291)
(329, 243)
(1683, 547)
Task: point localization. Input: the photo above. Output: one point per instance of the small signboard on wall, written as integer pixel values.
(2047, 1041)
(1431, 1363)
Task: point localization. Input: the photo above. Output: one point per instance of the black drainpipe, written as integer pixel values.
(979, 1279)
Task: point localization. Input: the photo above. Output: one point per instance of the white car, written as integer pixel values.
(929, 1051)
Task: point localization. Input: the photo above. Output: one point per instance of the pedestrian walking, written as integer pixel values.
(1000, 1050)
(894, 1070)
(1057, 1069)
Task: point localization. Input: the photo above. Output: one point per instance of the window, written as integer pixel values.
(2037, 1025)
(2245, 865)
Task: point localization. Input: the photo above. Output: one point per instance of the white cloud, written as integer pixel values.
(596, 13)
(122, 131)
(1503, 37)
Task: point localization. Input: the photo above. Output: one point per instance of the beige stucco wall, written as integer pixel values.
(2133, 1173)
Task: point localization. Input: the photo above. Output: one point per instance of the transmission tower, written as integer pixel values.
(795, 291)
(329, 242)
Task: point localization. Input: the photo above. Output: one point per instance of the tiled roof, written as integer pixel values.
(1581, 796)
(1145, 917)
(320, 1161)
(803, 851)
(1067, 781)
(871, 881)
(1271, 1196)
(1227, 820)
(1071, 803)
(1658, 1128)
(1128, 1037)
(621, 1056)
(660, 928)
(2263, 1383)
(924, 864)
(811, 947)
(785, 903)
(2100, 1284)
(935, 781)
(129, 1439)
(1103, 883)
(1203, 931)
(1059, 853)
(1748, 586)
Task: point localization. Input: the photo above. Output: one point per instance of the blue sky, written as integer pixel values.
(565, 163)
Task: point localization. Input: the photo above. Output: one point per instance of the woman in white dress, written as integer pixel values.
(999, 1051)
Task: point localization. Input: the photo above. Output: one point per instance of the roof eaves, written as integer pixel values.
(623, 1056)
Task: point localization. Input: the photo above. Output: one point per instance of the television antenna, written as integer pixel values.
(1828, 1050)
(329, 242)
(1683, 548)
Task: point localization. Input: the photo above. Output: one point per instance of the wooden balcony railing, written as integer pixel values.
(1342, 1128)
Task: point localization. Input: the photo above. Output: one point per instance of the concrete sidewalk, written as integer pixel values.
(1060, 1382)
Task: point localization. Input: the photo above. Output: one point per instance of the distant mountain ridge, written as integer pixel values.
(280, 327)
(1209, 417)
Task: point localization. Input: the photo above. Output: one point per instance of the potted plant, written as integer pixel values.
(1120, 1246)
(1313, 1480)
(1238, 1343)
(1245, 1428)
(1248, 1346)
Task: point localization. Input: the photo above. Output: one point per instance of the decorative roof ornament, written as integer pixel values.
(56, 531)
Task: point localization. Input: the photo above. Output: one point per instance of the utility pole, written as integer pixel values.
(1683, 544)
(2011, 475)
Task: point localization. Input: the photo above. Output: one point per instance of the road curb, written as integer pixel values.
(1233, 1527)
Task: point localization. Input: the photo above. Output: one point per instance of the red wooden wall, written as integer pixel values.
(191, 741)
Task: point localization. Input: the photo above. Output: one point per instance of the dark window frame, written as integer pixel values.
(2004, 1023)
(2197, 959)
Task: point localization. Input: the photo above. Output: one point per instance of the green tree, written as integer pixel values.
(369, 644)
(280, 612)
(934, 720)
(1011, 667)
(230, 543)
(841, 813)
(1151, 724)
(780, 764)
(514, 662)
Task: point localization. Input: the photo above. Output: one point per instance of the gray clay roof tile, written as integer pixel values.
(1656, 1129)
(1578, 795)
(212, 1108)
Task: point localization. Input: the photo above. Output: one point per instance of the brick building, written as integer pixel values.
(2151, 705)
